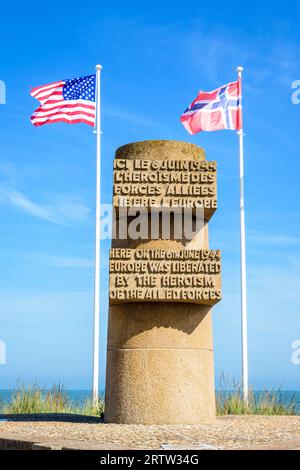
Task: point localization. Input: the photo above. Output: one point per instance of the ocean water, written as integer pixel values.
(79, 396)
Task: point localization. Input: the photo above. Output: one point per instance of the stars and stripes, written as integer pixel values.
(70, 101)
(215, 110)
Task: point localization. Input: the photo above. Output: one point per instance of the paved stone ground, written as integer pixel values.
(228, 432)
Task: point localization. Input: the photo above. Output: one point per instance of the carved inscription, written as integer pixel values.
(157, 275)
(167, 183)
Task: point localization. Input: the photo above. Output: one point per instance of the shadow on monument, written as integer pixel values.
(128, 319)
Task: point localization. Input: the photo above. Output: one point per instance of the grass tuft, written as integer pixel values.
(229, 401)
(34, 399)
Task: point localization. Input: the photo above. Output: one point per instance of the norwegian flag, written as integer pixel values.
(215, 110)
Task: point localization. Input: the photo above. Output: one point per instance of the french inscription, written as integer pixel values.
(165, 183)
(157, 275)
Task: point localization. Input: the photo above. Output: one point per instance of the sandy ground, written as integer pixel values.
(228, 432)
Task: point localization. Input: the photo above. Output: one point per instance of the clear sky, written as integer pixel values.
(156, 56)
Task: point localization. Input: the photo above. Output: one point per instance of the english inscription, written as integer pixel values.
(157, 275)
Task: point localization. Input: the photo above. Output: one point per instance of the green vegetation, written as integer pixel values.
(34, 399)
(229, 400)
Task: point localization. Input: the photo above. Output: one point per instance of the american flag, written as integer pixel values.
(68, 101)
(215, 110)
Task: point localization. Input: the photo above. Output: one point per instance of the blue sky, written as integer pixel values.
(155, 57)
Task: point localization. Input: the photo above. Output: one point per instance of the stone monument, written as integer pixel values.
(160, 366)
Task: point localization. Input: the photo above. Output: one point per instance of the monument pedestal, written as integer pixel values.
(159, 354)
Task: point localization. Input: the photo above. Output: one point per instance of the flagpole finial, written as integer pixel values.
(240, 69)
(98, 67)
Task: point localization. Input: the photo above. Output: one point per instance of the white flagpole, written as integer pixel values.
(97, 244)
(243, 261)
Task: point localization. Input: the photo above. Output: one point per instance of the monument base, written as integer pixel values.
(160, 387)
(160, 364)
